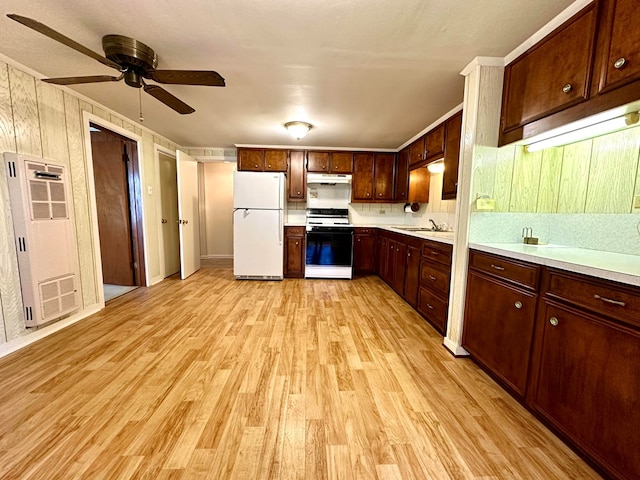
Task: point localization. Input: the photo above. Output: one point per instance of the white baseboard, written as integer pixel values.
(155, 280)
(21, 342)
(454, 348)
(216, 256)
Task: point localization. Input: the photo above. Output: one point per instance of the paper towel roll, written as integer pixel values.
(407, 208)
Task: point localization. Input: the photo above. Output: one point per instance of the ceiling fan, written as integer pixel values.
(135, 61)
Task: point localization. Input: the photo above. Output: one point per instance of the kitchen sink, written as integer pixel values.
(420, 229)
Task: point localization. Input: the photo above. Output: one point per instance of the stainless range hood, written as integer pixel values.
(327, 178)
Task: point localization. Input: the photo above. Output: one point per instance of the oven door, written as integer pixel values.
(329, 253)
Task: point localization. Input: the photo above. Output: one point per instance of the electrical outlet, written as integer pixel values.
(636, 201)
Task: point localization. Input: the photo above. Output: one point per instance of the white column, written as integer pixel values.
(480, 127)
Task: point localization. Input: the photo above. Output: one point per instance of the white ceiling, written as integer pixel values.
(365, 73)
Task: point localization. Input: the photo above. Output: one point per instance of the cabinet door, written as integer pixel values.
(391, 261)
(498, 329)
(294, 252)
(297, 177)
(588, 385)
(275, 160)
(433, 308)
(399, 267)
(553, 75)
(341, 162)
(362, 186)
(453, 134)
(383, 254)
(383, 176)
(318, 162)
(419, 184)
(250, 160)
(401, 190)
(434, 143)
(416, 152)
(619, 44)
(363, 254)
(412, 276)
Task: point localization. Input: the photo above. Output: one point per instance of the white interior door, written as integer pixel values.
(169, 204)
(189, 217)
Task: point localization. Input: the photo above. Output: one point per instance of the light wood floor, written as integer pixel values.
(222, 379)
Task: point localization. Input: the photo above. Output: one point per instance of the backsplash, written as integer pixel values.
(618, 233)
(600, 175)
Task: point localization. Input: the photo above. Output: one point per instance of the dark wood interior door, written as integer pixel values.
(111, 176)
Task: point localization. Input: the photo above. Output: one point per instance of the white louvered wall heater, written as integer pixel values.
(44, 236)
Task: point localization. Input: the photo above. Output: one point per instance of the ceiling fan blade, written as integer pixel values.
(187, 77)
(51, 33)
(75, 80)
(169, 100)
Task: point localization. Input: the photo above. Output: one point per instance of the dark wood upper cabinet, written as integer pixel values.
(552, 75)
(416, 152)
(401, 190)
(275, 160)
(384, 164)
(329, 162)
(341, 162)
(453, 135)
(318, 162)
(419, 184)
(296, 177)
(618, 61)
(362, 183)
(434, 143)
(250, 159)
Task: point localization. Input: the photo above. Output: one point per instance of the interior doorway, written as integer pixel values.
(169, 213)
(119, 209)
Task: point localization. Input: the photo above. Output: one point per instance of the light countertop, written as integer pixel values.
(617, 267)
(442, 237)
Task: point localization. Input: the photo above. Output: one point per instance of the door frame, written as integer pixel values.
(157, 150)
(87, 119)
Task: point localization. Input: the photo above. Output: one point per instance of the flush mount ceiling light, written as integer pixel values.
(602, 128)
(298, 129)
(436, 167)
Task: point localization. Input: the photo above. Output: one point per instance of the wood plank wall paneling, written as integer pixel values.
(53, 131)
(7, 134)
(25, 113)
(611, 183)
(43, 120)
(81, 204)
(600, 175)
(573, 179)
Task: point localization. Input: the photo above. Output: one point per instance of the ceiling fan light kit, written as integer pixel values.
(135, 61)
(298, 129)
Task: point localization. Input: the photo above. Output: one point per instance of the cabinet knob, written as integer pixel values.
(518, 305)
(368, 194)
(553, 321)
(297, 243)
(408, 254)
(255, 165)
(299, 193)
(619, 63)
(358, 240)
(269, 166)
(567, 88)
(432, 278)
(164, 220)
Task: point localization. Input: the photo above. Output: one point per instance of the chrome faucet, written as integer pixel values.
(435, 225)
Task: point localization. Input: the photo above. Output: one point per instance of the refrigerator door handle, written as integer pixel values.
(280, 230)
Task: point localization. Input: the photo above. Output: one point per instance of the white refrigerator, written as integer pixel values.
(258, 225)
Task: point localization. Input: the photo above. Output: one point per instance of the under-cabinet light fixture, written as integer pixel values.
(436, 167)
(298, 129)
(602, 128)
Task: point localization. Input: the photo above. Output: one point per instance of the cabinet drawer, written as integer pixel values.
(438, 252)
(517, 272)
(433, 308)
(295, 231)
(363, 231)
(435, 277)
(615, 301)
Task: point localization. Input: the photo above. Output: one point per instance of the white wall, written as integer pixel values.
(218, 209)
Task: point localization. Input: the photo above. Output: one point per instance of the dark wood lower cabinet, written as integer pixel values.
(569, 349)
(294, 252)
(498, 328)
(364, 251)
(412, 276)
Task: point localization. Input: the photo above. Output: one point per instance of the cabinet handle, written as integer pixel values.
(608, 300)
(497, 267)
(518, 305)
(621, 62)
(567, 88)
(429, 306)
(432, 278)
(434, 253)
(554, 321)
